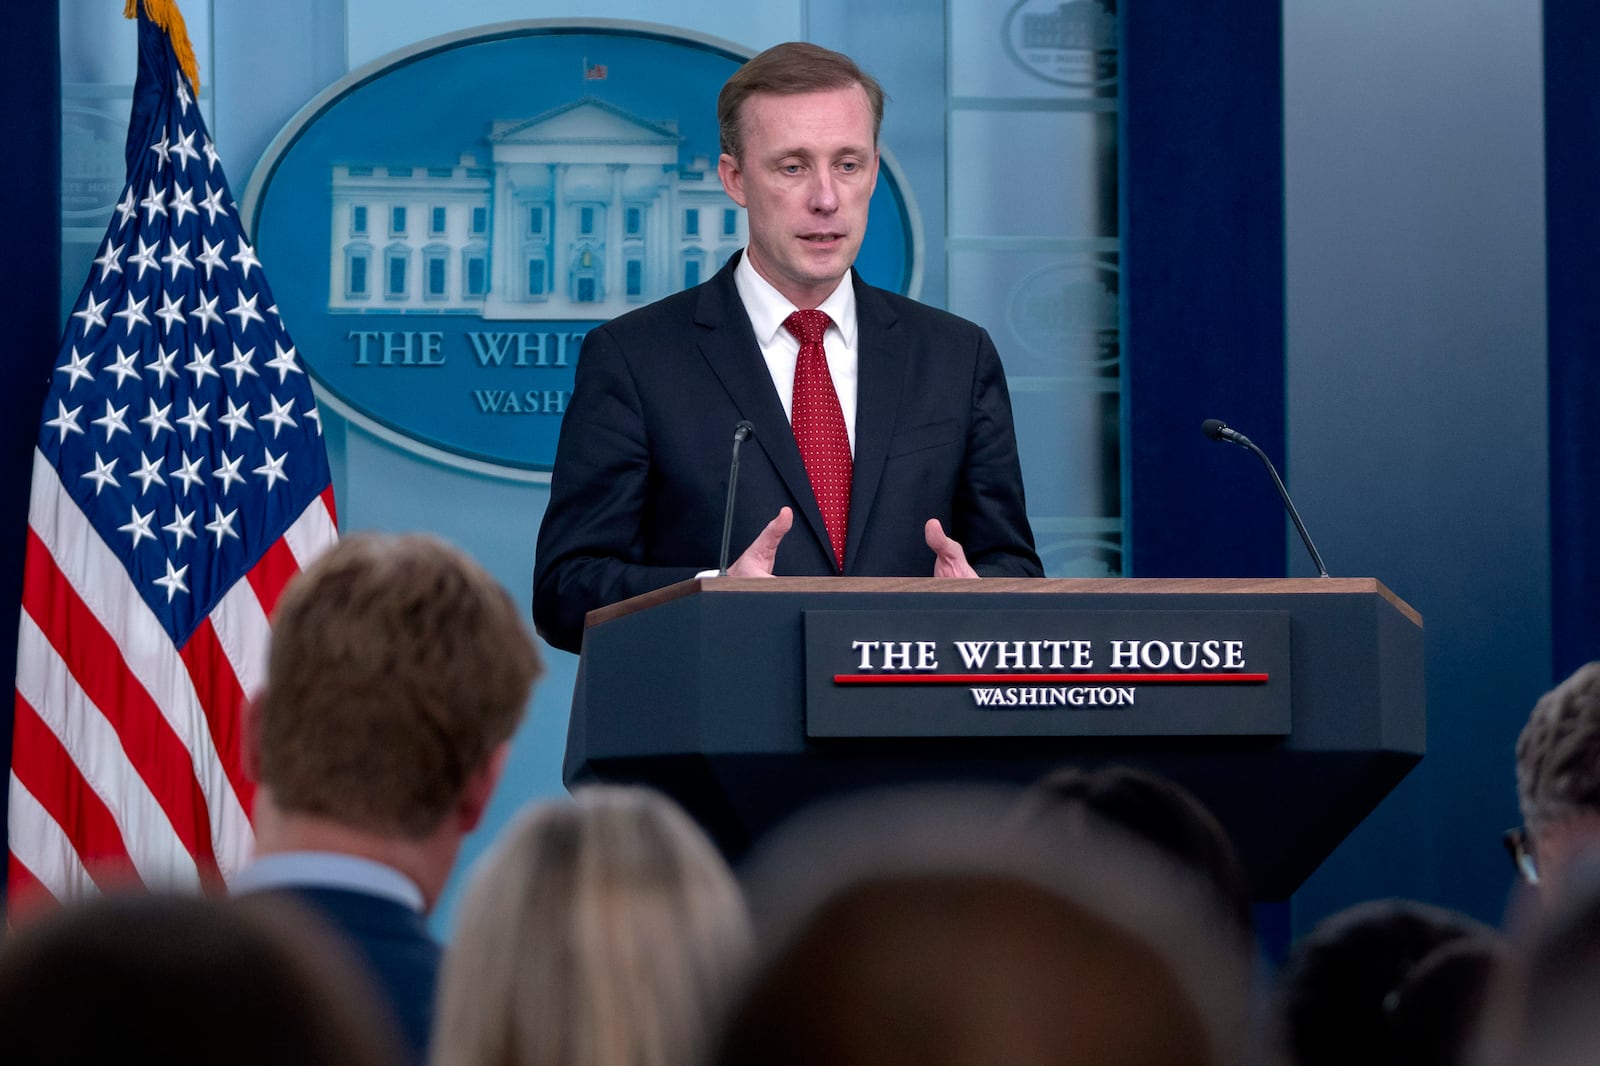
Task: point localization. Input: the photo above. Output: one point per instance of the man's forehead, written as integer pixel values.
(845, 100)
(831, 120)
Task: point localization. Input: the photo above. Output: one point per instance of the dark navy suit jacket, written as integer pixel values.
(641, 472)
(393, 942)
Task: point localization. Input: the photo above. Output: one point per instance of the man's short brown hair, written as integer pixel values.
(398, 665)
(1558, 753)
(785, 70)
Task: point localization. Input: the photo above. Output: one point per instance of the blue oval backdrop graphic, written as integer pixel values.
(447, 223)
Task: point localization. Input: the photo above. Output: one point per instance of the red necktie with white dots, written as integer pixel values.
(819, 426)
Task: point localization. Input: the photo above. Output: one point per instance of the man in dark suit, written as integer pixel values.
(399, 670)
(902, 459)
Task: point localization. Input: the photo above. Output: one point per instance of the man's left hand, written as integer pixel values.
(949, 558)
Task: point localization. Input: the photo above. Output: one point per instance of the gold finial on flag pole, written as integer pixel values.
(165, 13)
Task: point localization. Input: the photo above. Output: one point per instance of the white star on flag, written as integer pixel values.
(138, 526)
(149, 473)
(156, 420)
(77, 368)
(110, 260)
(92, 313)
(145, 258)
(122, 367)
(113, 420)
(173, 582)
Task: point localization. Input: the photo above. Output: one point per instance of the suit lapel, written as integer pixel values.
(728, 344)
(880, 371)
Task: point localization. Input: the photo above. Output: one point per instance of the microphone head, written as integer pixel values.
(743, 431)
(1214, 428)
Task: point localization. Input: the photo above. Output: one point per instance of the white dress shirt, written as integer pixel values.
(326, 869)
(768, 308)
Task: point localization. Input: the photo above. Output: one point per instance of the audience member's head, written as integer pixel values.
(399, 670)
(602, 932)
(906, 929)
(1558, 773)
(1389, 983)
(1543, 1012)
(183, 980)
(1153, 808)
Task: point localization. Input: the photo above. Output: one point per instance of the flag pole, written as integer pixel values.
(179, 482)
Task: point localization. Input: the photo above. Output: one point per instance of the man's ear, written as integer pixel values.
(732, 176)
(480, 788)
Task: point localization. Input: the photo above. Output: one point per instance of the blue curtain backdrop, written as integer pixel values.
(1572, 174)
(30, 72)
(1203, 286)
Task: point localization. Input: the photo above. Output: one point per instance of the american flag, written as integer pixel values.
(180, 480)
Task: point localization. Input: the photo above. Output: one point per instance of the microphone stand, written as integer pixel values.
(1218, 431)
(741, 433)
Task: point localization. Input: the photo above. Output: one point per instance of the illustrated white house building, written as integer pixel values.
(1083, 25)
(584, 212)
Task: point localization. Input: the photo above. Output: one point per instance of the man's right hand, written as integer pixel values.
(757, 559)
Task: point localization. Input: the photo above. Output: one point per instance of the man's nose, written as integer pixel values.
(824, 193)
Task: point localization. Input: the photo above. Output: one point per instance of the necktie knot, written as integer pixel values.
(808, 326)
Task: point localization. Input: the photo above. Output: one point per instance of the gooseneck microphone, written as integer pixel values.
(741, 433)
(1218, 430)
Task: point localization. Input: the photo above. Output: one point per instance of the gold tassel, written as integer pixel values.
(165, 14)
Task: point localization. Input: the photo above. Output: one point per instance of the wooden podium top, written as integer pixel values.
(1346, 586)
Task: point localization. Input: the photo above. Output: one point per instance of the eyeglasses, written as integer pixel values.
(1520, 848)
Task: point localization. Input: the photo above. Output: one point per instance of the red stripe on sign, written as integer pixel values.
(43, 766)
(1049, 679)
(222, 699)
(96, 662)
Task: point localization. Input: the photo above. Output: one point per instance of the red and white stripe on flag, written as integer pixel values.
(180, 481)
(127, 765)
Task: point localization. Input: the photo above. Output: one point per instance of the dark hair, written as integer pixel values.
(1544, 1014)
(1434, 1010)
(1386, 982)
(955, 966)
(184, 980)
(785, 70)
(1156, 810)
(908, 926)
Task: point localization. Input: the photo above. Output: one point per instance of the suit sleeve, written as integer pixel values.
(990, 514)
(591, 546)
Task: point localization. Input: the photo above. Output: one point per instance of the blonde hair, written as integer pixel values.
(604, 932)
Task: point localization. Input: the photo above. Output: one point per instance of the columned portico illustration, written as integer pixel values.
(592, 210)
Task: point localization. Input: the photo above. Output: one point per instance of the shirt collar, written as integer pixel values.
(327, 869)
(768, 308)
